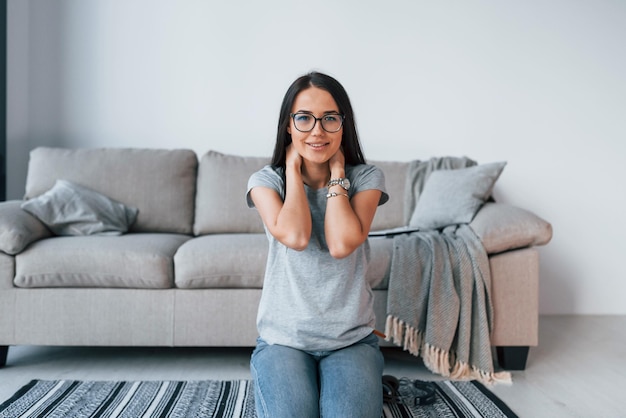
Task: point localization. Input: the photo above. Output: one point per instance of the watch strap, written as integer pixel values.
(341, 181)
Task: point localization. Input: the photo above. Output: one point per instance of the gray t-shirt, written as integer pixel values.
(310, 300)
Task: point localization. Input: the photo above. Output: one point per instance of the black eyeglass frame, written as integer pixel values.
(342, 117)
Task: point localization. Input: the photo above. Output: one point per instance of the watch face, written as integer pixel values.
(343, 182)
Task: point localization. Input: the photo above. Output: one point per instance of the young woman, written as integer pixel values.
(316, 354)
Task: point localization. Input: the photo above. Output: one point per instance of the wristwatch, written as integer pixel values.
(343, 182)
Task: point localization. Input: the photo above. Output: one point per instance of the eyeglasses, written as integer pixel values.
(305, 122)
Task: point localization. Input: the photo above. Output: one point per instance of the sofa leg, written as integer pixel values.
(512, 357)
(4, 352)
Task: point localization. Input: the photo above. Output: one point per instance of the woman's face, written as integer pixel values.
(317, 145)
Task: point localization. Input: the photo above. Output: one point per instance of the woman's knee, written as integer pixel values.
(285, 382)
(351, 381)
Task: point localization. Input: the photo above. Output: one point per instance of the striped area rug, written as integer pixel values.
(211, 398)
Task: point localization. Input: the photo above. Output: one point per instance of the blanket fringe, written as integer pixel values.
(437, 360)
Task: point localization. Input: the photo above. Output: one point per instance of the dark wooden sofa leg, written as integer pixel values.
(4, 352)
(513, 357)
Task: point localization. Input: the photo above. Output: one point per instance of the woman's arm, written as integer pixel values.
(289, 221)
(347, 221)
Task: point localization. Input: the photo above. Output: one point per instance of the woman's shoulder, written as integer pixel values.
(268, 172)
(361, 170)
(367, 177)
(268, 176)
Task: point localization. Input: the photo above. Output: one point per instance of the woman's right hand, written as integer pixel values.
(293, 159)
(287, 218)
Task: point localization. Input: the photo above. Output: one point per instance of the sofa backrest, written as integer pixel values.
(391, 214)
(160, 183)
(223, 181)
(176, 194)
(221, 197)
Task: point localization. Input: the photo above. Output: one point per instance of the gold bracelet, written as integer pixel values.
(333, 194)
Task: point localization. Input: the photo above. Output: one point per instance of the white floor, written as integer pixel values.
(578, 369)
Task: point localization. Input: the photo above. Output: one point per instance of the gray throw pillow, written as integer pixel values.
(454, 196)
(71, 209)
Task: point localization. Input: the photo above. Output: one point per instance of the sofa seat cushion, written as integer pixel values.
(126, 261)
(222, 261)
(381, 251)
(238, 261)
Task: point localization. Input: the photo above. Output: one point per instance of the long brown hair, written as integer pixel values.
(350, 139)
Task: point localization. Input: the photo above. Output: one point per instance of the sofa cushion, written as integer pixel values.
(71, 209)
(160, 183)
(220, 200)
(238, 261)
(391, 214)
(222, 261)
(454, 196)
(7, 272)
(503, 227)
(221, 209)
(381, 252)
(130, 261)
(18, 228)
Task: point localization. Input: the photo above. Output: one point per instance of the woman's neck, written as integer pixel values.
(316, 176)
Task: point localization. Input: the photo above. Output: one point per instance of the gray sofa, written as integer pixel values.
(189, 271)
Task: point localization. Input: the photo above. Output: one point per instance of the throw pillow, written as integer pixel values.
(71, 209)
(454, 196)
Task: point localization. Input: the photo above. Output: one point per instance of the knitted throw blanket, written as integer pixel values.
(439, 304)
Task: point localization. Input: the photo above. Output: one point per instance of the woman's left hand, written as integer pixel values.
(338, 161)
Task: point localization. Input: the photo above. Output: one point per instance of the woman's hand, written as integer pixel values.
(293, 159)
(288, 220)
(337, 163)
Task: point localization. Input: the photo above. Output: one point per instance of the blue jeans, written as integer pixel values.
(342, 383)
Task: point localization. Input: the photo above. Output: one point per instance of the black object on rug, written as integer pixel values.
(213, 398)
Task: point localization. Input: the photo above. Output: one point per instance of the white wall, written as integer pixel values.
(538, 83)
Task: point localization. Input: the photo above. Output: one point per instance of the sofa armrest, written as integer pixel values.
(18, 228)
(503, 227)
